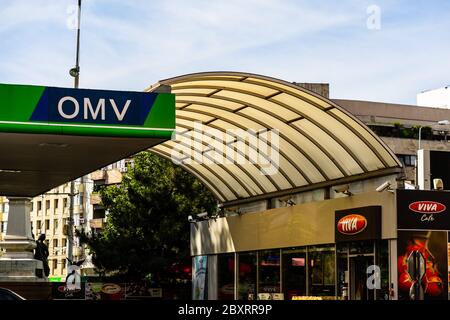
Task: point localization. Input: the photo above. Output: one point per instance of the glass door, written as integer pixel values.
(358, 277)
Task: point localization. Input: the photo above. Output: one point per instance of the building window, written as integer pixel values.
(409, 160)
(294, 272)
(32, 205)
(55, 243)
(47, 204)
(39, 205)
(225, 279)
(55, 265)
(269, 271)
(38, 226)
(65, 202)
(56, 203)
(55, 226)
(321, 271)
(64, 242)
(47, 224)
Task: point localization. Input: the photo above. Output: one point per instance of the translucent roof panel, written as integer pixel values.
(249, 136)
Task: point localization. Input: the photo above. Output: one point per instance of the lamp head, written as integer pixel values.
(75, 72)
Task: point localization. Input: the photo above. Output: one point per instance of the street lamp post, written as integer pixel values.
(74, 72)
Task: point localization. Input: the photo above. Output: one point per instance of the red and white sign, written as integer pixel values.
(352, 224)
(427, 207)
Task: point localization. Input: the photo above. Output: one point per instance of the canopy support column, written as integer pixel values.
(18, 263)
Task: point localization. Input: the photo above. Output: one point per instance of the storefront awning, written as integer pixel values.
(319, 143)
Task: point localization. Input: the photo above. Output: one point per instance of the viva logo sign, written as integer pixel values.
(427, 209)
(352, 224)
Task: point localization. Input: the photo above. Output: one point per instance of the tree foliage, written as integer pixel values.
(147, 228)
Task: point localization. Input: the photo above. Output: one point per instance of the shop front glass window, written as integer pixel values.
(269, 271)
(225, 280)
(247, 276)
(342, 270)
(294, 272)
(361, 247)
(321, 270)
(383, 263)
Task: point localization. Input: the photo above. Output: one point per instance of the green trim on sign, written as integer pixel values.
(162, 112)
(17, 102)
(83, 130)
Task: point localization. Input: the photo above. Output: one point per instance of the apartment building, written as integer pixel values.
(50, 214)
(109, 175)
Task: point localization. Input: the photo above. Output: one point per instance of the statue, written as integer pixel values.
(41, 253)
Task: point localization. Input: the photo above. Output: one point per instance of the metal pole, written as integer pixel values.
(420, 135)
(416, 184)
(77, 62)
(72, 183)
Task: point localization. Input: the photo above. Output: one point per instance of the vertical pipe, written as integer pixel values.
(77, 62)
(72, 184)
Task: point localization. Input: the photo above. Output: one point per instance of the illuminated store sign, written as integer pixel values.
(358, 224)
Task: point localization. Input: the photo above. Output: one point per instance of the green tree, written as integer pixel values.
(147, 228)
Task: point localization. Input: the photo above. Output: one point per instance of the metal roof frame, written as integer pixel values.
(321, 144)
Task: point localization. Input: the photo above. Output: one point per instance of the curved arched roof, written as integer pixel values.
(319, 143)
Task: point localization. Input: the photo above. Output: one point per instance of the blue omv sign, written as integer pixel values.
(93, 106)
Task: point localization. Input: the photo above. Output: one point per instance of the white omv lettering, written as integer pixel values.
(75, 104)
(120, 115)
(88, 111)
(427, 206)
(88, 108)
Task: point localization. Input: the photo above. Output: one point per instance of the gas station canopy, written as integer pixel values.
(319, 144)
(53, 135)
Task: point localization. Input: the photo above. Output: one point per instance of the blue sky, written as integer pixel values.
(129, 45)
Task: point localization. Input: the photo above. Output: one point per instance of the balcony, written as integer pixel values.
(77, 209)
(95, 198)
(98, 175)
(59, 251)
(113, 176)
(97, 223)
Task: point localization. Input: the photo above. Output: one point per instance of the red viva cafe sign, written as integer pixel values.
(427, 207)
(352, 224)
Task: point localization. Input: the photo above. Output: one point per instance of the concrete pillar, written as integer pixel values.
(18, 263)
